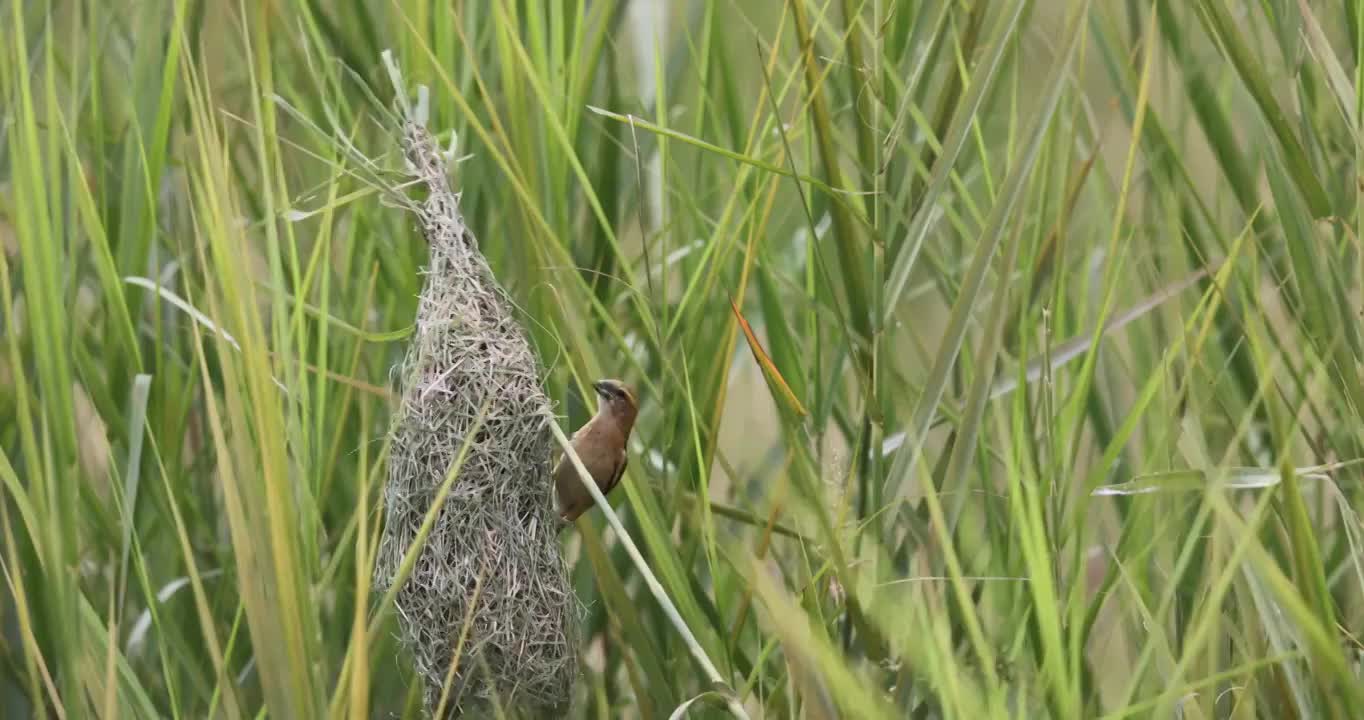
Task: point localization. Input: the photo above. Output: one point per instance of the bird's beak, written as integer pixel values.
(600, 388)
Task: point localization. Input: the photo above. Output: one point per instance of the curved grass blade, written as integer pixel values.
(770, 371)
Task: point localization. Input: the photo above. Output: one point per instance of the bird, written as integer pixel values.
(600, 444)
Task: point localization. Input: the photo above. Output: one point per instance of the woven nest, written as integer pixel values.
(496, 530)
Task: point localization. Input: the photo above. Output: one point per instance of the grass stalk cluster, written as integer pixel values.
(996, 359)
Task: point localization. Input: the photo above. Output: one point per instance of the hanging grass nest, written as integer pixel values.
(492, 560)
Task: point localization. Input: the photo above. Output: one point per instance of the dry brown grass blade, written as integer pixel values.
(765, 361)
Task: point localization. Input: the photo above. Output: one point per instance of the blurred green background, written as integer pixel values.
(997, 358)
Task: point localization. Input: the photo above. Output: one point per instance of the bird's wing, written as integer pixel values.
(573, 502)
(616, 476)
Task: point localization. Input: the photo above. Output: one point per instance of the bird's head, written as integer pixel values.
(617, 399)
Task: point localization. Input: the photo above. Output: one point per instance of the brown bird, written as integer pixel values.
(600, 443)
